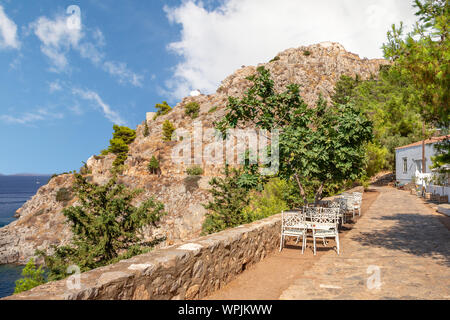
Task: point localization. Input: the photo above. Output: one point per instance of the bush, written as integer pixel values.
(192, 110)
(228, 201)
(275, 59)
(105, 227)
(168, 128)
(63, 195)
(268, 202)
(153, 165)
(213, 109)
(32, 277)
(306, 53)
(85, 169)
(146, 130)
(163, 109)
(194, 171)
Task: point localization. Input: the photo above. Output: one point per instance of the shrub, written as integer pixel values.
(306, 53)
(105, 227)
(146, 130)
(194, 171)
(275, 59)
(153, 165)
(192, 109)
(85, 169)
(213, 109)
(228, 201)
(63, 195)
(32, 277)
(168, 128)
(268, 202)
(163, 109)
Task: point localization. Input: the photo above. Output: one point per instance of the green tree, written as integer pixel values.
(122, 137)
(163, 109)
(32, 277)
(391, 102)
(105, 225)
(168, 128)
(318, 146)
(153, 165)
(192, 109)
(146, 129)
(225, 210)
(424, 56)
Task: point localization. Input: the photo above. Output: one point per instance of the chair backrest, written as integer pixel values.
(325, 203)
(292, 218)
(357, 196)
(335, 204)
(311, 211)
(328, 218)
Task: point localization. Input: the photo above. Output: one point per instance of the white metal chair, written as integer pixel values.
(339, 205)
(293, 225)
(325, 225)
(344, 207)
(357, 201)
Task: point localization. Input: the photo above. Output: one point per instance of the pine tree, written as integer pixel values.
(229, 200)
(105, 226)
(168, 129)
(32, 277)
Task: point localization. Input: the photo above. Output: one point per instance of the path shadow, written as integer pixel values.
(416, 234)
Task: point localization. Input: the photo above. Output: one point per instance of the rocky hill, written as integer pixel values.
(40, 222)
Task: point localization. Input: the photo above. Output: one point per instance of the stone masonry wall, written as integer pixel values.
(188, 271)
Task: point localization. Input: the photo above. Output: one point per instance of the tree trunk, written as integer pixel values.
(319, 193)
(302, 191)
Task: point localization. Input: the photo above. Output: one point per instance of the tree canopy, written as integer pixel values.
(324, 144)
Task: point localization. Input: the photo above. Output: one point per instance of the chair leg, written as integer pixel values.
(303, 244)
(337, 243)
(314, 240)
(281, 242)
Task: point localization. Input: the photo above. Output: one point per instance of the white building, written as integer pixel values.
(408, 160)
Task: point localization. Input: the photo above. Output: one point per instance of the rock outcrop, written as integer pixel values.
(41, 223)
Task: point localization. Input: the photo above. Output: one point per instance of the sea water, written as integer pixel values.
(14, 192)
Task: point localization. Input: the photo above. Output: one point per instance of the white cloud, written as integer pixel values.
(110, 114)
(120, 70)
(54, 86)
(8, 32)
(30, 117)
(58, 37)
(214, 43)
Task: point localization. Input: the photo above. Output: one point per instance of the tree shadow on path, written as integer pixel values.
(416, 234)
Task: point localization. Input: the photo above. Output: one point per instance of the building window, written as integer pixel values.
(405, 165)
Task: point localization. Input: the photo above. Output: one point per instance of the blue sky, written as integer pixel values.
(64, 82)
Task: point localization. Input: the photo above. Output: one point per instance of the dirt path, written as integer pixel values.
(269, 278)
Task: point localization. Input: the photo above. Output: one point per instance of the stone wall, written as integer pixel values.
(191, 270)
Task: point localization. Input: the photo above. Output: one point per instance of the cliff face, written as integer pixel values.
(41, 224)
